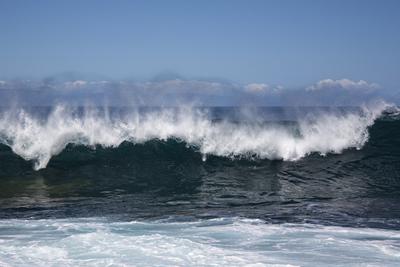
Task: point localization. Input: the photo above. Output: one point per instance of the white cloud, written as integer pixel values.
(261, 88)
(345, 84)
(256, 87)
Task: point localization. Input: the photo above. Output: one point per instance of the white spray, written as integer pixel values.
(40, 139)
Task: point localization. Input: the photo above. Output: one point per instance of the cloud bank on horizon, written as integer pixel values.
(178, 91)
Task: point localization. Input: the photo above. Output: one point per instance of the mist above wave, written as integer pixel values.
(39, 138)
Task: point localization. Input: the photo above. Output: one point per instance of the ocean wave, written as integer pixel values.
(40, 138)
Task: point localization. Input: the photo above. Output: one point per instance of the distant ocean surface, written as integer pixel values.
(190, 186)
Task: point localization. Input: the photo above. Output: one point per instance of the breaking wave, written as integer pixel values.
(38, 138)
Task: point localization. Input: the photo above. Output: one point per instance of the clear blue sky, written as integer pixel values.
(292, 43)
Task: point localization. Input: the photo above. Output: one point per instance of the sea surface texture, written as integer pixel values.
(191, 186)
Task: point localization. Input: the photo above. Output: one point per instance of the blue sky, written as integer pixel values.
(290, 43)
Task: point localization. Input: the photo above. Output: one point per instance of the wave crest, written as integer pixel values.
(39, 138)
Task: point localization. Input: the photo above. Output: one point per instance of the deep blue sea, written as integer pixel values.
(191, 186)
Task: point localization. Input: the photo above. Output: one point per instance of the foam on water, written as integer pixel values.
(39, 139)
(217, 242)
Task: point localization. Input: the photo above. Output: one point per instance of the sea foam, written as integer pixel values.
(39, 138)
(214, 242)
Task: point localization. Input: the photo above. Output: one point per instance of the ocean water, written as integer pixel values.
(192, 186)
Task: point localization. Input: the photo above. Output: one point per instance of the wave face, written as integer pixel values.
(40, 134)
(217, 242)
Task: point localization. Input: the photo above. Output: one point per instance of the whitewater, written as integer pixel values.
(39, 138)
(215, 242)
